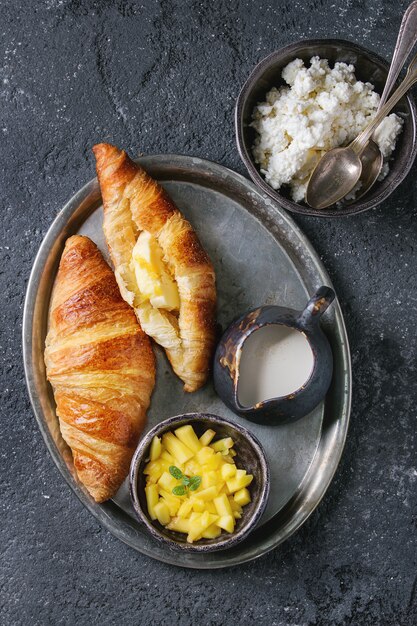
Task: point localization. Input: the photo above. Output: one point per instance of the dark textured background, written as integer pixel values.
(161, 77)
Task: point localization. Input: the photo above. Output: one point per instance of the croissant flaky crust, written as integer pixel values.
(134, 202)
(101, 366)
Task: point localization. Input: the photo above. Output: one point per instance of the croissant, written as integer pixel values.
(135, 204)
(101, 367)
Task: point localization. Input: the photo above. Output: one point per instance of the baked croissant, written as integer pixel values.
(101, 366)
(160, 266)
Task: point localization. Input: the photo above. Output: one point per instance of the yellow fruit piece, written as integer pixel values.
(199, 524)
(209, 506)
(222, 444)
(207, 437)
(210, 479)
(187, 435)
(198, 505)
(173, 502)
(222, 505)
(156, 448)
(185, 508)
(226, 522)
(192, 468)
(215, 461)
(234, 505)
(242, 496)
(207, 494)
(179, 524)
(166, 456)
(176, 448)
(152, 467)
(167, 482)
(237, 515)
(239, 482)
(152, 497)
(225, 489)
(227, 471)
(204, 455)
(162, 513)
(232, 452)
(212, 532)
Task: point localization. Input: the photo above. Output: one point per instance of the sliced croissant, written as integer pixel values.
(101, 366)
(134, 203)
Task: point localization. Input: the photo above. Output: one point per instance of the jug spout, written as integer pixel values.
(316, 306)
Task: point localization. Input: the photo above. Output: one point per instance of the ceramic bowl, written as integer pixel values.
(369, 67)
(250, 456)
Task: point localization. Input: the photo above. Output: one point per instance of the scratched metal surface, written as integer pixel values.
(260, 257)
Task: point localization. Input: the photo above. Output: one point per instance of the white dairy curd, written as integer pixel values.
(322, 108)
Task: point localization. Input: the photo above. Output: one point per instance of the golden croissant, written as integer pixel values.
(160, 265)
(101, 367)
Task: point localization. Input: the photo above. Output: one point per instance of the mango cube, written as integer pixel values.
(226, 522)
(179, 524)
(207, 437)
(167, 482)
(227, 471)
(239, 481)
(209, 479)
(242, 497)
(177, 448)
(199, 524)
(185, 508)
(222, 444)
(152, 497)
(162, 513)
(204, 455)
(198, 505)
(207, 494)
(188, 437)
(212, 532)
(156, 448)
(222, 505)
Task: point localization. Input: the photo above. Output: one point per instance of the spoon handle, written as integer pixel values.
(358, 145)
(407, 37)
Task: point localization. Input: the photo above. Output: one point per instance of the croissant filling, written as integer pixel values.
(157, 300)
(153, 278)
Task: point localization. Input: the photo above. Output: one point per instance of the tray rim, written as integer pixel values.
(103, 513)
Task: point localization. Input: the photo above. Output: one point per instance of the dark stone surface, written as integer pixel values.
(163, 77)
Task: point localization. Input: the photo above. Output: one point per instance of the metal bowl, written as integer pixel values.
(250, 456)
(369, 67)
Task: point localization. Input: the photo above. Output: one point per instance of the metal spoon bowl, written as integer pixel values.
(371, 157)
(337, 173)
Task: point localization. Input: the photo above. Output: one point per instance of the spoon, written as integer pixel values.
(371, 157)
(339, 170)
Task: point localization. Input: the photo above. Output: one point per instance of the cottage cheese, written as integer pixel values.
(321, 109)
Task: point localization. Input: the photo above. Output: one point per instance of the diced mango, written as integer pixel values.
(242, 496)
(210, 478)
(222, 505)
(187, 435)
(152, 497)
(179, 524)
(220, 497)
(222, 444)
(162, 513)
(227, 471)
(204, 455)
(207, 494)
(239, 482)
(167, 482)
(226, 522)
(185, 508)
(212, 532)
(156, 448)
(199, 524)
(177, 448)
(197, 504)
(207, 437)
(167, 457)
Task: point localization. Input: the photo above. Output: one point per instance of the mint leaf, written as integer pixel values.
(179, 490)
(175, 472)
(195, 482)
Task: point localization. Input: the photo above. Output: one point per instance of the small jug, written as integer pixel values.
(318, 360)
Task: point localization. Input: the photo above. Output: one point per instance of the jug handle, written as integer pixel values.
(316, 306)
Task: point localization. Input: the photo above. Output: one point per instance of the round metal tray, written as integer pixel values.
(260, 257)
